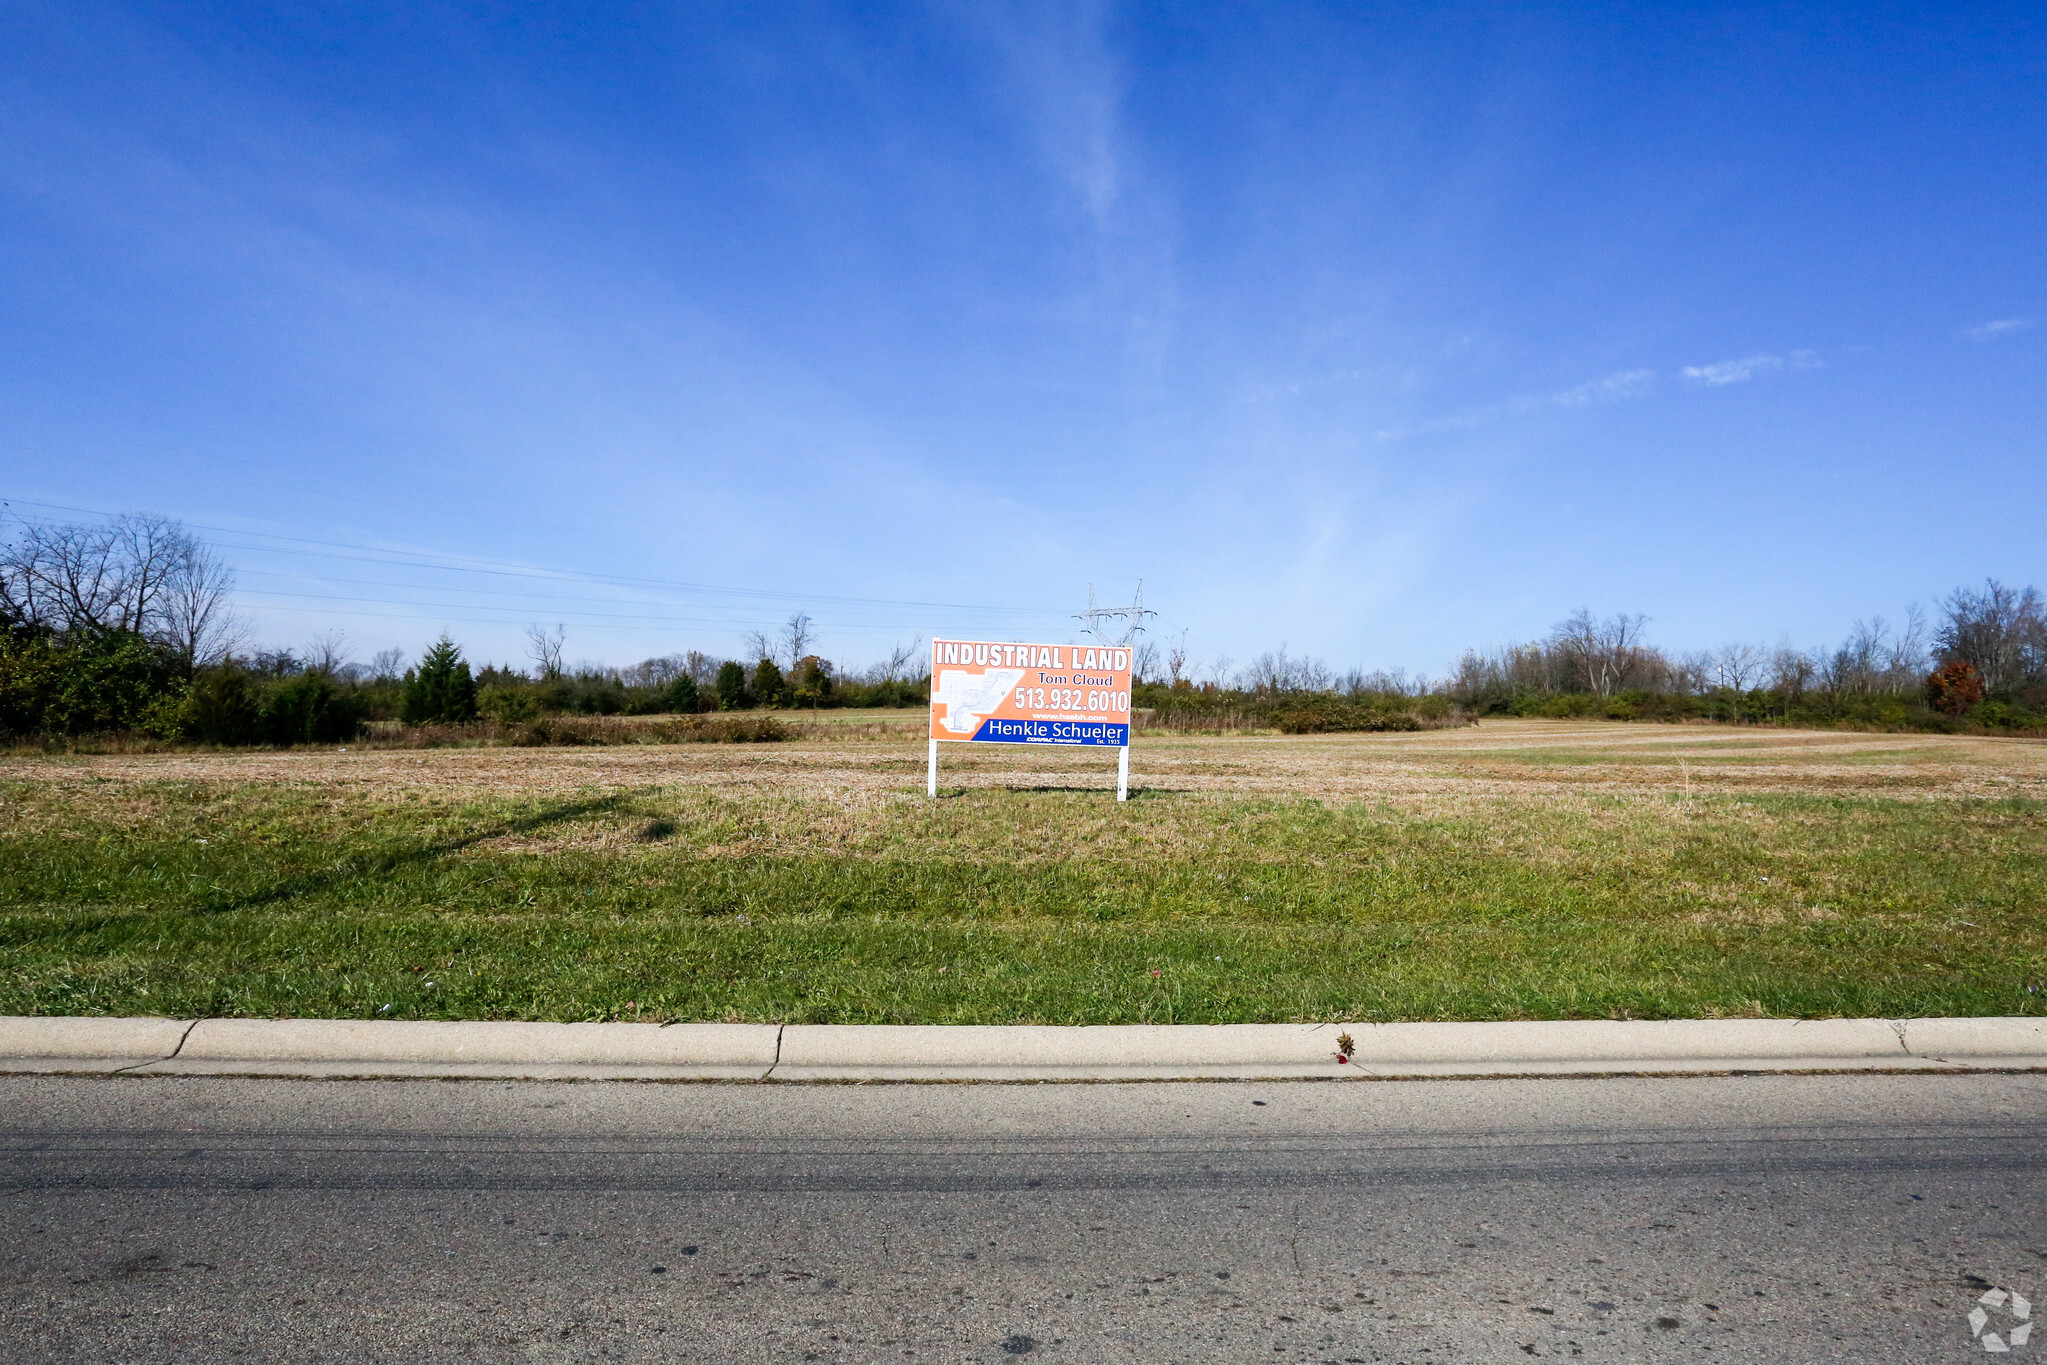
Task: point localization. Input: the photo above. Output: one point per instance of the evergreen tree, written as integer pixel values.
(461, 691)
(441, 688)
(732, 687)
(680, 696)
(768, 684)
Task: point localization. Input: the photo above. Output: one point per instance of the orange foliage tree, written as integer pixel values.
(1954, 687)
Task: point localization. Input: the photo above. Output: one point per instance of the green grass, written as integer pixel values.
(683, 901)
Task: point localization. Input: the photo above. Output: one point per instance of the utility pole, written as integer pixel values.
(1099, 621)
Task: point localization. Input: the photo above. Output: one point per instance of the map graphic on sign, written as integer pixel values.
(968, 697)
(1007, 693)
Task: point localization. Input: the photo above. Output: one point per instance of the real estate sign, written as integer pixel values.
(990, 693)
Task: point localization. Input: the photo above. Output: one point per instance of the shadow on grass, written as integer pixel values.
(388, 863)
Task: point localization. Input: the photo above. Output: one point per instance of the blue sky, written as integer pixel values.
(1379, 331)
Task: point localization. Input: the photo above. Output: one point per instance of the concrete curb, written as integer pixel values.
(875, 1052)
(343, 1046)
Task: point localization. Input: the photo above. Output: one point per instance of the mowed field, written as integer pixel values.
(1511, 870)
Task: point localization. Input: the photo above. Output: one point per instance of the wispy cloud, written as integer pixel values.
(1622, 384)
(1300, 388)
(1068, 89)
(1748, 367)
(2001, 327)
(1612, 389)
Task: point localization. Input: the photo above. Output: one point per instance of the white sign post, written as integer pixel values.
(988, 693)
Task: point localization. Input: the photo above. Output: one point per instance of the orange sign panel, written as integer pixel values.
(1008, 693)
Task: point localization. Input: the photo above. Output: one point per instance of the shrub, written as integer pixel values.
(887, 692)
(600, 697)
(308, 710)
(227, 704)
(85, 681)
(30, 667)
(508, 705)
(555, 694)
(220, 707)
(1321, 720)
(740, 730)
(2003, 715)
(601, 730)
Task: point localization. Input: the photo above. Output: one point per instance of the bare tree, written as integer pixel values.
(1269, 674)
(327, 654)
(17, 586)
(70, 575)
(701, 668)
(1860, 664)
(1383, 682)
(544, 648)
(1144, 661)
(386, 664)
(900, 656)
(276, 663)
(1906, 665)
(760, 645)
(151, 552)
(1474, 677)
(1738, 666)
(2001, 632)
(138, 572)
(657, 672)
(1575, 640)
(1603, 654)
(198, 619)
(799, 635)
(1791, 670)
(1176, 659)
(1693, 672)
(1277, 672)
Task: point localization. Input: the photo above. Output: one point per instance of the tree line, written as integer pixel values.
(128, 626)
(1981, 661)
(1978, 663)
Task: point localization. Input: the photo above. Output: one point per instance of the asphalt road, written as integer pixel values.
(1760, 1219)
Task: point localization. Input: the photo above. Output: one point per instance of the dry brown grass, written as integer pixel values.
(1501, 758)
(865, 798)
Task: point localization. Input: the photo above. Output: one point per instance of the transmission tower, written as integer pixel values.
(1100, 620)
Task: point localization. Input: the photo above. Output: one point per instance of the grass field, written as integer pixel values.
(1517, 869)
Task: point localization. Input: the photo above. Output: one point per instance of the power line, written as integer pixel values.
(505, 569)
(325, 580)
(515, 613)
(870, 631)
(479, 606)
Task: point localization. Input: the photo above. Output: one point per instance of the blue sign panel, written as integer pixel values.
(998, 731)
